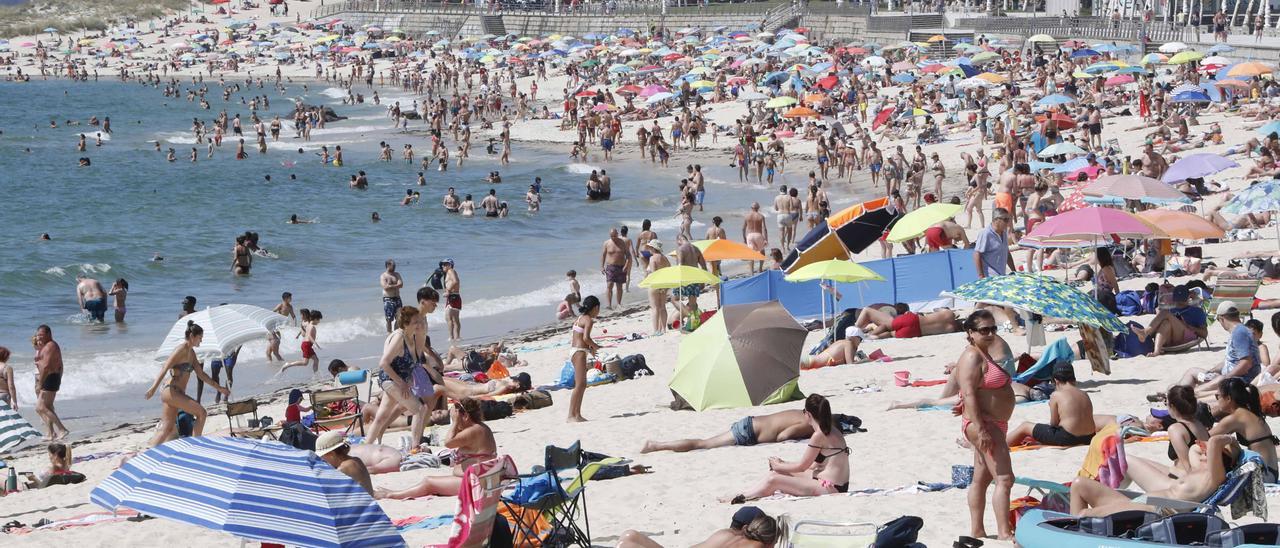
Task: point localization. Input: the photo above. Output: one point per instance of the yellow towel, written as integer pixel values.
(1094, 458)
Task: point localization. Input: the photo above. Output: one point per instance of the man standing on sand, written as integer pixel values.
(615, 261)
(453, 300)
(391, 283)
(93, 299)
(48, 381)
(755, 232)
(992, 246)
(782, 207)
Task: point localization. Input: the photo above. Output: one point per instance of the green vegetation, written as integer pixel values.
(78, 15)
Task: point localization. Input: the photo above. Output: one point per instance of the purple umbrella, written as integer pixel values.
(1197, 165)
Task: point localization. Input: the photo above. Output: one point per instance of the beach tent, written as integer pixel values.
(745, 355)
(844, 233)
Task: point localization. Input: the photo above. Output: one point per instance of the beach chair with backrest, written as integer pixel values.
(253, 428)
(824, 534)
(564, 505)
(346, 421)
(482, 486)
(1241, 291)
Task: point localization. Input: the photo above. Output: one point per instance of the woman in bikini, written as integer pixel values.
(471, 442)
(8, 392)
(1185, 430)
(404, 349)
(986, 403)
(180, 365)
(581, 345)
(1239, 412)
(823, 469)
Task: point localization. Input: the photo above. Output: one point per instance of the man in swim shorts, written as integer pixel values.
(391, 283)
(48, 381)
(755, 231)
(452, 299)
(1070, 411)
(93, 299)
(615, 261)
(777, 427)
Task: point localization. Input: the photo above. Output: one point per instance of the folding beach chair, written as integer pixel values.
(825, 534)
(564, 506)
(478, 500)
(253, 428)
(321, 399)
(1241, 291)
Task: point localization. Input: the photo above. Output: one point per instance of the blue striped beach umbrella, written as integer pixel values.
(15, 431)
(258, 491)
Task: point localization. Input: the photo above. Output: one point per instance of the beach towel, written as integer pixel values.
(418, 461)
(83, 520)
(935, 382)
(950, 407)
(1105, 460)
(415, 523)
(1254, 498)
(1059, 351)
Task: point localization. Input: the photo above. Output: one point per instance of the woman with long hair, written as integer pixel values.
(180, 365)
(404, 349)
(580, 346)
(984, 372)
(823, 469)
(1239, 412)
(470, 440)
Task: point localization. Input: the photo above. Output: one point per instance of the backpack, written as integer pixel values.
(494, 409)
(1129, 302)
(1127, 344)
(436, 281)
(633, 366)
(899, 533)
(296, 435)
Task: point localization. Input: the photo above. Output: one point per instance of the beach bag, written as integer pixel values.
(436, 281)
(422, 385)
(530, 490)
(533, 399)
(899, 533)
(295, 435)
(186, 424)
(497, 371)
(1127, 344)
(634, 366)
(566, 375)
(1129, 303)
(475, 362)
(494, 409)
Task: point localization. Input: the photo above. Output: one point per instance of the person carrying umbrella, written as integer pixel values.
(180, 365)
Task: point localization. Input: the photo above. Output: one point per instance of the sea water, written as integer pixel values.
(110, 220)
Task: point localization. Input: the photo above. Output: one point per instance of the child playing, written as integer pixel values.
(119, 290)
(574, 287)
(565, 310)
(285, 308)
(293, 413)
(309, 345)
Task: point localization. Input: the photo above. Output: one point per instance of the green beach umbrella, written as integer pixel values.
(915, 223)
(745, 355)
(779, 102)
(1040, 295)
(1184, 57)
(678, 276)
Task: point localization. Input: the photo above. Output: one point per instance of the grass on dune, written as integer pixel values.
(78, 15)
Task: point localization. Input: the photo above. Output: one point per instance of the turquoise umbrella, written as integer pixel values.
(1040, 295)
(1256, 199)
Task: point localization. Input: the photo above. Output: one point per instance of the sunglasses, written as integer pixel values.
(988, 330)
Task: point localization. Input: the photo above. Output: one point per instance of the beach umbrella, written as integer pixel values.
(780, 102)
(1172, 47)
(1250, 69)
(15, 431)
(750, 96)
(659, 97)
(992, 77)
(49, 30)
(1055, 99)
(801, 112)
(1135, 187)
(843, 234)
(745, 355)
(903, 78)
(1119, 80)
(1184, 57)
(916, 222)
(1086, 52)
(721, 249)
(1058, 149)
(1202, 164)
(835, 270)
(678, 276)
(1093, 222)
(262, 491)
(1153, 59)
(1221, 48)
(1269, 128)
(875, 61)
(1215, 60)
(225, 327)
(1181, 225)
(1040, 39)
(984, 57)
(1258, 198)
(1039, 295)
(881, 118)
(1192, 97)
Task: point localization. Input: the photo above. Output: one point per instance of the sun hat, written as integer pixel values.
(656, 244)
(329, 441)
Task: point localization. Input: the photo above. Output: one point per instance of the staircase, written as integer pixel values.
(944, 49)
(493, 24)
(786, 16)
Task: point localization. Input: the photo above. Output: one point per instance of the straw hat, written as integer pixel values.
(329, 441)
(656, 244)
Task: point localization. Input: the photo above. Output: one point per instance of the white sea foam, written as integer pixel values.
(80, 268)
(348, 129)
(580, 169)
(98, 373)
(177, 137)
(547, 295)
(667, 225)
(336, 93)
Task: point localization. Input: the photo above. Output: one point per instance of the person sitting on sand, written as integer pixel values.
(332, 446)
(1210, 463)
(789, 425)
(1184, 427)
(59, 472)
(840, 352)
(823, 469)
(1070, 415)
(906, 324)
(1175, 326)
(761, 531)
(1242, 360)
(471, 441)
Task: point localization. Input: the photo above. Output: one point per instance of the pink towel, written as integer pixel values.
(1114, 466)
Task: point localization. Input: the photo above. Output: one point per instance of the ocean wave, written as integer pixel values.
(336, 93)
(671, 224)
(580, 169)
(177, 137)
(81, 268)
(548, 295)
(97, 373)
(349, 129)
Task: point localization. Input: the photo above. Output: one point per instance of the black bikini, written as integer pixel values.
(821, 458)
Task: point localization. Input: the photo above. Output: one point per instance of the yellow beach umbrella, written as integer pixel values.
(993, 77)
(678, 276)
(836, 270)
(1041, 38)
(937, 38)
(1184, 57)
(915, 223)
(779, 102)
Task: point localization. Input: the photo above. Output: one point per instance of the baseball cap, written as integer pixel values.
(1181, 293)
(744, 516)
(1227, 308)
(329, 441)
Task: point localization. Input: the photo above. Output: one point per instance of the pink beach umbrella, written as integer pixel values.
(1093, 222)
(1134, 187)
(1119, 80)
(651, 90)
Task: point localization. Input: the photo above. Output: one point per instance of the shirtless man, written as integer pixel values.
(391, 283)
(48, 381)
(699, 184)
(755, 232)
(450, 201)
(944, 235)
(452, 300)
(490, 204)
(1070, 415)
(782, 207)
(1210, 463)
(777, 427)
(615, 261)
(92, 298)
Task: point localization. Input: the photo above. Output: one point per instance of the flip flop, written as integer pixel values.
(967, 542)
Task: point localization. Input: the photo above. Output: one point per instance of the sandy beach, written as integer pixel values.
(677, 502)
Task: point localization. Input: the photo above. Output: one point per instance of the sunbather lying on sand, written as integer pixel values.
(759, 532)
(823, 469)
(788, 425)
(951, 394)
(906, 324)
(1210, 464)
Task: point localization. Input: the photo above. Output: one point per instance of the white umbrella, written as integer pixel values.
(1173, 47)
(659, 97)
(226, 327)
(1058, 149)
(749, 96)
